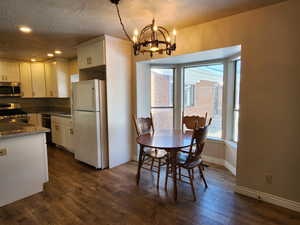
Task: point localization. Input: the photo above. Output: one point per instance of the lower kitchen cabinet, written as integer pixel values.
(62, 132)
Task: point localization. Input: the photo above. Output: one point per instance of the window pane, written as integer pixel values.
(237, 84)
(162, 118)
(207, 82)
(162, 87)
(235, 126)
(236, 100)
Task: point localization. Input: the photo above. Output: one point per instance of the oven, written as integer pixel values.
(10, 89)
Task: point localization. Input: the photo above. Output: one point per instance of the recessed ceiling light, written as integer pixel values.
(50, 54)
(25, 29)
(58, 52)
(33, 60)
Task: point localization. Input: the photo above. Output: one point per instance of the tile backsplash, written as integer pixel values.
(41, 104)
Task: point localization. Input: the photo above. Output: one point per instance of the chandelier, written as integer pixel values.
(152, 38)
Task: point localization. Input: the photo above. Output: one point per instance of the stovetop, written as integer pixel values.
(11, 111)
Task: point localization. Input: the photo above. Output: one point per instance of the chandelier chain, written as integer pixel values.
(123, 27)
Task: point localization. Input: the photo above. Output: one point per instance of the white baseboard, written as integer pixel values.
(213, 160)
(230, 167)
(220, 162)
(273, 199)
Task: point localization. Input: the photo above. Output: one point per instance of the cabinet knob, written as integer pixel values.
(89, 60)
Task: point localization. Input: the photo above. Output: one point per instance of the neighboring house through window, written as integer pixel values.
(162, 97)
(203, 92)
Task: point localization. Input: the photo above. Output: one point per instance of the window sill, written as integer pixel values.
(231, 144)
(215, 140)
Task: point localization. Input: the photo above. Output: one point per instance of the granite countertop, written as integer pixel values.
(61, 114)
(14, 129)
(53, 113)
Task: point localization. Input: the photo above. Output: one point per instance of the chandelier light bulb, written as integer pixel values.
(155, 28)
(134, 39)
(174, 32)
(136, 32)
(168, 39)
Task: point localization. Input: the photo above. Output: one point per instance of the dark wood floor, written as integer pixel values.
(78, 194)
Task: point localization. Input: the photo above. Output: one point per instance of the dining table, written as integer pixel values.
(170, 140)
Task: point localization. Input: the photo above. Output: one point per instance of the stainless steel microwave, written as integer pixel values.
(10, 89)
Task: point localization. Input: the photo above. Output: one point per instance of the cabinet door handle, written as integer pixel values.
(71, 131)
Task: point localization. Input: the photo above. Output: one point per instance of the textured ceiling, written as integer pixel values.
(62, 24)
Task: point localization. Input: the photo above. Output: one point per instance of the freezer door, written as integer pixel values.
(87, 136)
(85, 96)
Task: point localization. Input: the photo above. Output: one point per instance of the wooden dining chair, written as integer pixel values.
(192, 159)
(145, 126)
(193, 122)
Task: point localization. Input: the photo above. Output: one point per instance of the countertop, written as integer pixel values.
(61, 114)
(14, 129)
(54, 113)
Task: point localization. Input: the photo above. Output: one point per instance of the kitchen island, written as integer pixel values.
(23, 161)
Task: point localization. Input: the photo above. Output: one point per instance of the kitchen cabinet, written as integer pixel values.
(57, 79)
(24, 169)
(9, 71)
(38, 80)
(26, 80)
(91, 53)
(62, 132)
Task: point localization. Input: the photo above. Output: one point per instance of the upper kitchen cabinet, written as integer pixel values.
(38, 80)
(91, 54)
(57, 79)
(26, 80)
(9, 71)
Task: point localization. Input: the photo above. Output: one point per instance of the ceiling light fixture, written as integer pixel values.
(58, 52)
(152, 38)
(50, 54)
(25, 29)
(33, 60)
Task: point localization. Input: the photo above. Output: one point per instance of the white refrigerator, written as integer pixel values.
(90, 123)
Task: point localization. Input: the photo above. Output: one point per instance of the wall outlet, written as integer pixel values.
(269, 178)
(3, 152)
